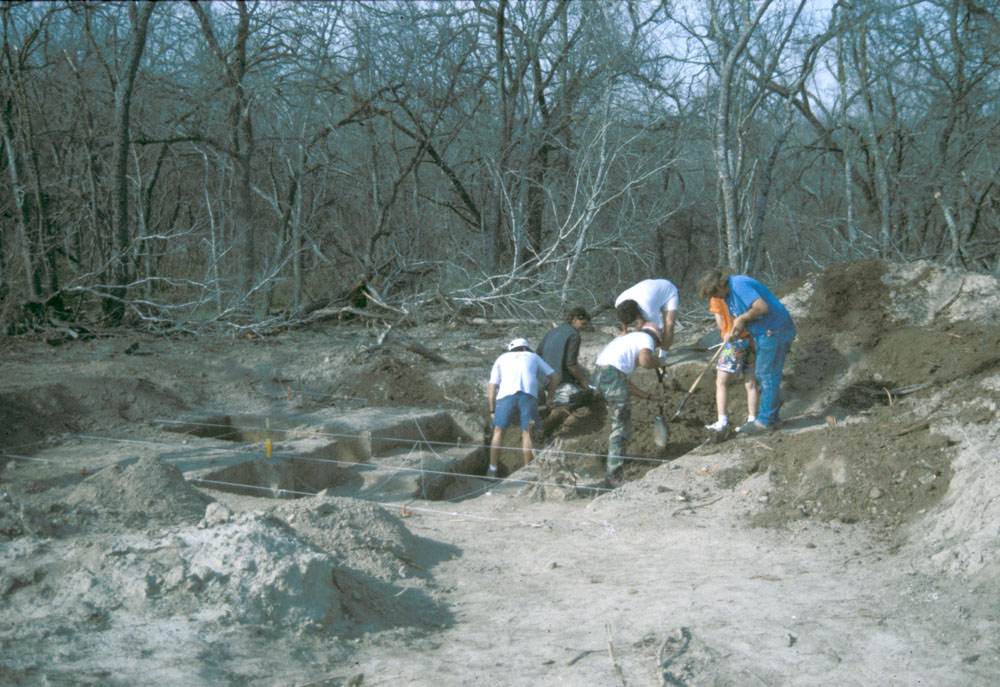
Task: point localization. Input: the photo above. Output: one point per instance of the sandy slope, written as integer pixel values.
(857, 546)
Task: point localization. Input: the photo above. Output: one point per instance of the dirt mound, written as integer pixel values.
(880, 342)
(555, 479)
(390, 380)
(147, 489)
(358, 534)
(960, 535)
(892, 346)
(582, 433)
(885, 325)
(252, 568)
(30, 415)
(27, 417)
(872, 471)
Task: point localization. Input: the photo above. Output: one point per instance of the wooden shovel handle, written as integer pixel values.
(691, 390)
(707, 367)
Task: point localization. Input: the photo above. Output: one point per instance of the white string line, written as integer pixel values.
(391, 506)
(368, 465)
(403, 440)
(293, 391)
(237, 448)
(47, 441)
(30, 458)
(423, 483)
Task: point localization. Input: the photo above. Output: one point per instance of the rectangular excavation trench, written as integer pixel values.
(375, 453)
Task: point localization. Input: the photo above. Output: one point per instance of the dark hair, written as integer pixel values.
(577, 313)
(713, 281)
(628, 312)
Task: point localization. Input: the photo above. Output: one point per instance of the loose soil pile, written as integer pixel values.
(147, 490)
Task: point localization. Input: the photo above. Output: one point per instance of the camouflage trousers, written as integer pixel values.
(611, 385)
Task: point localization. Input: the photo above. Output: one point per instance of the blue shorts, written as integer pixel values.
(736, 356)
(525, 405)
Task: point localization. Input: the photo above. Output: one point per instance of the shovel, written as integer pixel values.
(661, 432)
(666, 428)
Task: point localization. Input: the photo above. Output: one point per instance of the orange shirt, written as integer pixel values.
(718, 306)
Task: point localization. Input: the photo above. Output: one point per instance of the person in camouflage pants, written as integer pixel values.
(611, 385)
(613, 367)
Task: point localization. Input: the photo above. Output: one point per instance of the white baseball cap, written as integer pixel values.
(518, 343)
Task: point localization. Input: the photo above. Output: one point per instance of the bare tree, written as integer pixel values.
(120, 273)
(184, 166)
(726, 160)
(27, 257)
(233, 65)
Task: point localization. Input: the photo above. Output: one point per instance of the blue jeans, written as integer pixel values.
(771, 352)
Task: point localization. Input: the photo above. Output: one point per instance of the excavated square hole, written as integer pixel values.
(281, 478)
(371, 454)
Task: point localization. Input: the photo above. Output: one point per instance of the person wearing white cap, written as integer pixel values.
(613, 367)
(513, 388)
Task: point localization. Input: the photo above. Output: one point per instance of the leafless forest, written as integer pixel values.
(239, 166)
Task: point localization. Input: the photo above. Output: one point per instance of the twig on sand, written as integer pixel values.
(919, 424)
(950, 300)
(354, 681)
(582, 654)
(611, 653)
(682, 636)
(694, 507)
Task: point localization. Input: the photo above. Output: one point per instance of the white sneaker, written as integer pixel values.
(717, 426)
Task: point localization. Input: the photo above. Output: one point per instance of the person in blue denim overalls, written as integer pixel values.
(756, 310)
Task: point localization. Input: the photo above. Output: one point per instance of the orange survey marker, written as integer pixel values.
(405, 512)
(288, 391)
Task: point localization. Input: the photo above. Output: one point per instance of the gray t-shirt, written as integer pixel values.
(560, 348)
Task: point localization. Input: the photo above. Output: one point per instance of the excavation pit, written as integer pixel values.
(374, 453)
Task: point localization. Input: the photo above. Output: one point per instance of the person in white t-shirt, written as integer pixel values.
(513, 389)
(651, 300)
(613, 367)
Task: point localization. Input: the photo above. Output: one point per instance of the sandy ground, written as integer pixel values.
(858, 545)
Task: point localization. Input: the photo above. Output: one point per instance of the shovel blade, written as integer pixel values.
(661, 432)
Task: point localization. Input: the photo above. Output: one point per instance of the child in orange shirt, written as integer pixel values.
(736, 357)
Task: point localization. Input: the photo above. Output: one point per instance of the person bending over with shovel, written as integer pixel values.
(651, 300)
(613, 367)
(756, 310)
(513, 388)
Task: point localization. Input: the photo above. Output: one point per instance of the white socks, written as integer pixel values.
(723, 422)
(720, 424)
